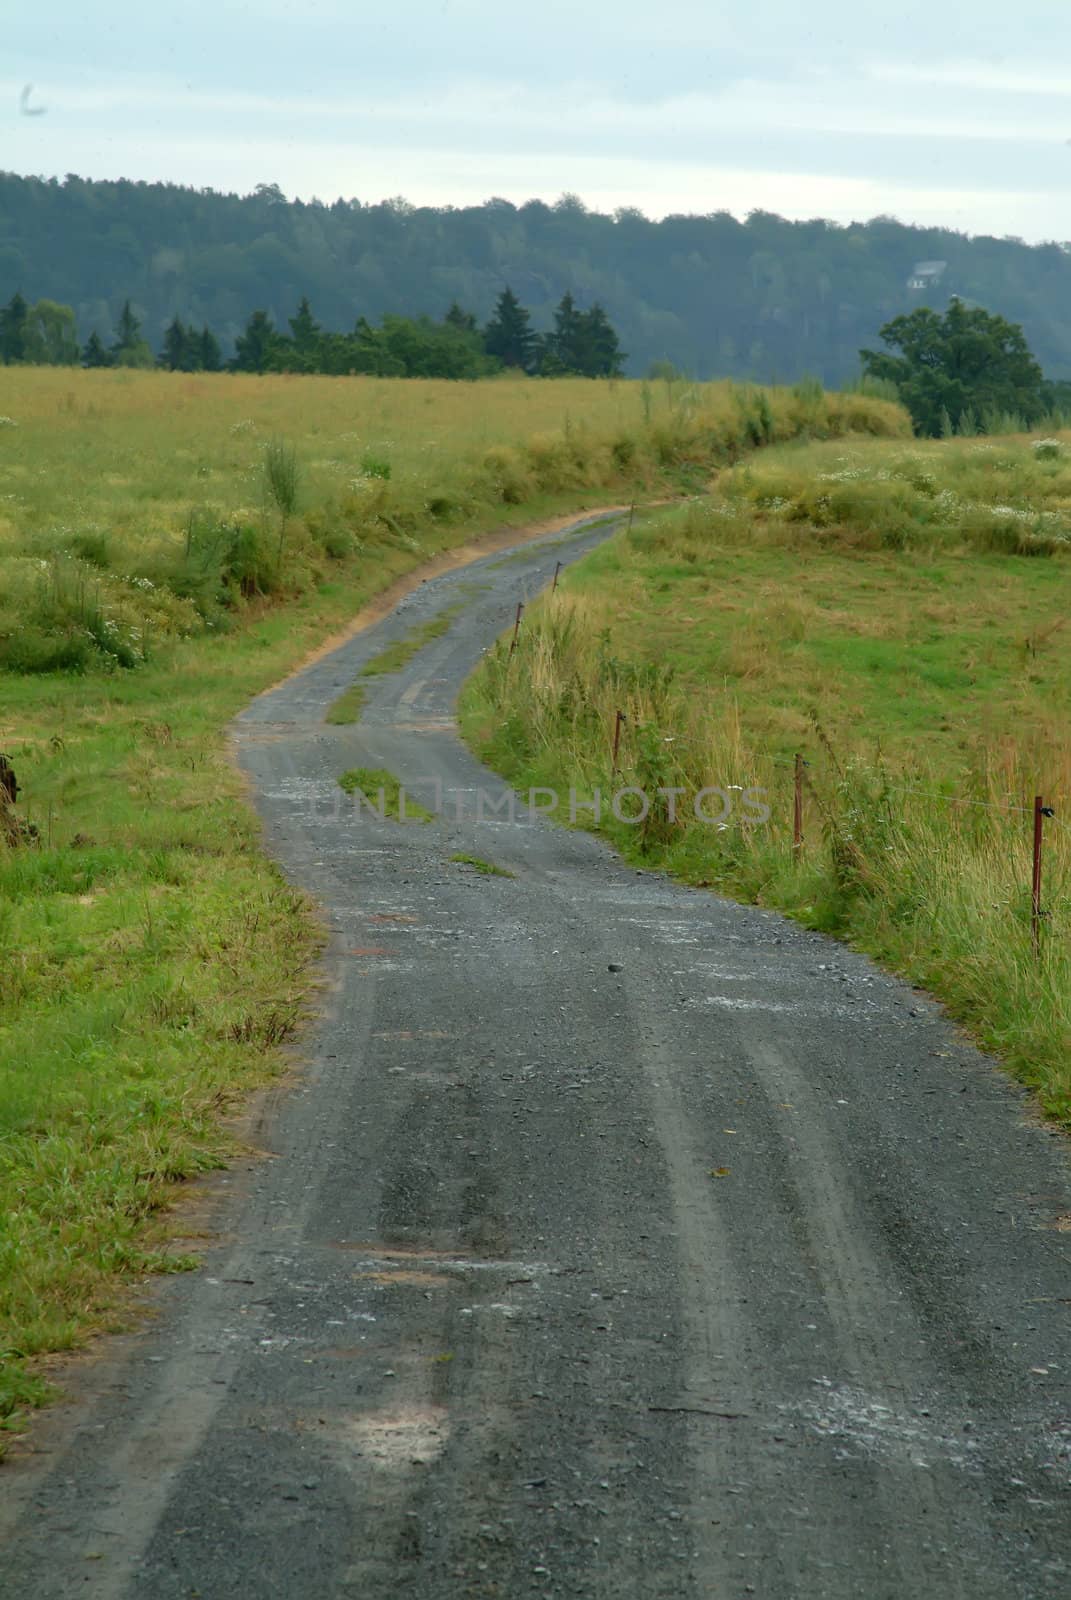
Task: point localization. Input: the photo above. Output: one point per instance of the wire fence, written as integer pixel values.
(1041, 812)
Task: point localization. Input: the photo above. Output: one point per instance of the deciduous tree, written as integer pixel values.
(965, 364)
(51, 339)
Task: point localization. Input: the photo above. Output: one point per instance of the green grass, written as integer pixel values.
(348, 707)
(150, 963)
(922, 675)
(488, 868)
(382, 792)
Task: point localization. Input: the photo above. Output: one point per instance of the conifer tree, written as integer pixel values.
(508, 336)
(211, 359)
(464, 321)
(129, 330)
(599, 347)
(255, 349)
(130, 348)
(95, 354)
(564, 345)
(305, 335)
(175, 355)
(13, 319)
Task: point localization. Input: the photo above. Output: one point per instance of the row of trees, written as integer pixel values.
(951, 370)
(45, 334)
(583, 343)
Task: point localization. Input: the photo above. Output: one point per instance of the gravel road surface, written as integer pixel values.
(618, 1241)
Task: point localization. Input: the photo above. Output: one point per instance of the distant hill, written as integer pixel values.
(766, 298)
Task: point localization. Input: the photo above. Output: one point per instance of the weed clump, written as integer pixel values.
(381, 793)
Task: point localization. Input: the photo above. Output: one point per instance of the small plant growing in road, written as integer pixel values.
(348, 707)
(487, 868)
(378, 790)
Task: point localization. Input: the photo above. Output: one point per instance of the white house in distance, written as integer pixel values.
(927, 274)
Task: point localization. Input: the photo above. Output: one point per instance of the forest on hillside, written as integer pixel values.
(764, 298)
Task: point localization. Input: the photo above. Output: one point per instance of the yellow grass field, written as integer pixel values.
(133, 450)
(128, 453)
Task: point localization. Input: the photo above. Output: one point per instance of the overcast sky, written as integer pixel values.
(932, 112)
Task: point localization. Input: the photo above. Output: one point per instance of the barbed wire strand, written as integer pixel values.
(1007, 806)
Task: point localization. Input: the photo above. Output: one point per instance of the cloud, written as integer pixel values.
(578, 110)
(978, 76)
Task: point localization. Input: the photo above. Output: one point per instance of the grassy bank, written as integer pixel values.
(895, 614)
(152, 580)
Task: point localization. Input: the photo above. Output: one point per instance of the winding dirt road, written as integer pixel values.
(620, 1242)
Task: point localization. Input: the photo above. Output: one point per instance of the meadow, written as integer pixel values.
(896, 615)
(140, 507)
(169, 546)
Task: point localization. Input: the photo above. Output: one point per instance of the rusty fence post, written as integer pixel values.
(618, 720)
(516, 627)
(631, 514)
(1041, 811)
(557, 569)
(797, 806)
